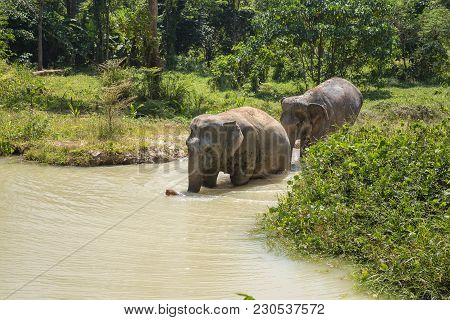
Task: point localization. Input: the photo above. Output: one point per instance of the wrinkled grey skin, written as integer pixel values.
(320, 110)
(244, 142)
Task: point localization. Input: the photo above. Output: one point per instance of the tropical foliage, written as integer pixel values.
(240, 42)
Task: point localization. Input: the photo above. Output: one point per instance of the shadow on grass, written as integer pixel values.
(374, 95)
(408, 83)
(60, 105)
(268, 96)
(274, 95)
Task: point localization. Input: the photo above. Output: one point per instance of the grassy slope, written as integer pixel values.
(35, 119)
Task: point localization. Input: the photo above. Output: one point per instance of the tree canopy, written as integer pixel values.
(239, 41)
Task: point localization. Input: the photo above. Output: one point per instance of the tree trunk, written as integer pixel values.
(71, 8)
(40, 49)
(319, 59)
(153, 59)
(311, 60)
(173, 9)
(234, 10)
(99, 25)
(107, 4)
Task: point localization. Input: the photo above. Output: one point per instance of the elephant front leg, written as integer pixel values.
(210, 180)
(195, 183)
(195, 176)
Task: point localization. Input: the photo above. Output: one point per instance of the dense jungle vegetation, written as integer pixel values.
(118, 81)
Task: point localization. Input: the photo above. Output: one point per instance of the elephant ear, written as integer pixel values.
(319, 116)
(234, 137)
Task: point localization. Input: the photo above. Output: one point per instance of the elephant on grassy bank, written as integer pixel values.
(244, 142)
(320, 110)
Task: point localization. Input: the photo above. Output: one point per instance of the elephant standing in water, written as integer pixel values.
(320, 110)
(244, 142)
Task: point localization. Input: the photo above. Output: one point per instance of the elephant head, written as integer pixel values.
(210, 144)
(303, 120)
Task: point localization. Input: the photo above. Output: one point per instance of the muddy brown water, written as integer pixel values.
(111, 233)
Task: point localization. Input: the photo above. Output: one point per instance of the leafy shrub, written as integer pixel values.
(147, 83)
(74, 110)
(35, 127)
(192, 61)
(18, 87)
(6, 148)
(174, 91)
(249, 64)
(163, 95)
(158, 108)
(134, 109)
(112, 71)
(379, 198)
(196, 105)
(226, 73)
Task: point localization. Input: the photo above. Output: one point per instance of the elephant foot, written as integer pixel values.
(240, 179)
(210, 181)
(194, 189)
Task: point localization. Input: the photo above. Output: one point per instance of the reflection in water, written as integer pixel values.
(111, 233)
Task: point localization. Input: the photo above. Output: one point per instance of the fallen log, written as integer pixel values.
(49, 72)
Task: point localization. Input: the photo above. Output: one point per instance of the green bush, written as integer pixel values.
(19, 88)
(6, 34)
(113, 72)
(247, 66)
(226, 73)
(192, 61)
(379, 197)
(174, 91)
(6, 148)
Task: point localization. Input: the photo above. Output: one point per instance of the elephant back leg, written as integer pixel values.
(240, 178)
(243, 169)
(210, 180)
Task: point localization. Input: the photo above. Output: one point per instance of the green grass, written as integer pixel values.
(428, 103)
(215, 101)
(36, 121)
(61, 119)
(86, 140)
(83, 90)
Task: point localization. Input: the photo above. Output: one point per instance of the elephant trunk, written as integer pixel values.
(195, 177)
(292, 135)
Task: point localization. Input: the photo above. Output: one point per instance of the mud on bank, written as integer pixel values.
(96, 157)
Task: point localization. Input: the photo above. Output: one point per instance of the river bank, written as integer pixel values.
(73, 120)
(60, 139)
